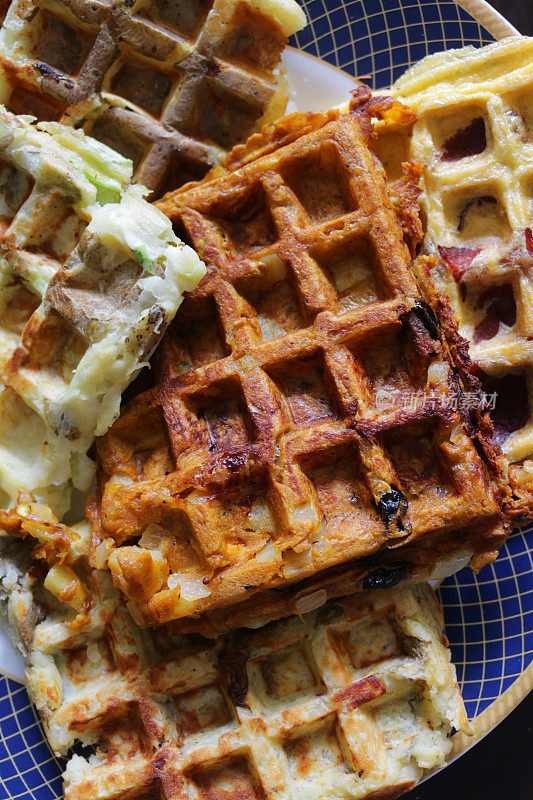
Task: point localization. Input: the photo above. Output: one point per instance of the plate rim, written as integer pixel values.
(494, 22)
(489, 719)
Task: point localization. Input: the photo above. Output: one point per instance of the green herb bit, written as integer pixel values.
(106, 192)
(144, 260)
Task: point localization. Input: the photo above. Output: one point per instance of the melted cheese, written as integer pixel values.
(110, 325)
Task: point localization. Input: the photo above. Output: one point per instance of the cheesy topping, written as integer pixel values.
(80, 323)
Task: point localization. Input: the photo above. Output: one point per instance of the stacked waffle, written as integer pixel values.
(90, 276)
(305, 424)
(273, 466)
(171, 85)
(354, 700)
(474, 133)
(302, 446)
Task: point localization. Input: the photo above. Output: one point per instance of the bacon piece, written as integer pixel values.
(501, 308)
(360, 97)
(469, 141)
(458, 259)
(361, 691)
(486, 329)
(366, 106)
(529, 241)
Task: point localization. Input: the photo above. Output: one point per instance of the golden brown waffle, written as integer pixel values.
(356, 700)
(170, 85)
(303, 417)
(474, 131)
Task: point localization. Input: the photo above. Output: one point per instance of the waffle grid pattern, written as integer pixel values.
(477, 198)
(55, 335)
(291, 401)
(488, 620)
(333, 42)
(478, 186)
(170, 85)
(280, 711)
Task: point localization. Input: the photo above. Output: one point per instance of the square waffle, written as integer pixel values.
(281, 442)
(356, 700)
(474, 132)
(171, 85)
(80, 313)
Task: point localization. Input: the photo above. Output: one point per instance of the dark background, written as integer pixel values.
(500, 767)
(520, 14)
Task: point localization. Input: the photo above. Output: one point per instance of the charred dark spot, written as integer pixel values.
(213, 69)
(469, 141)
(384, 577)
(390, 505)
(458, 259)
(233, 462)
(38, 571)
(48, 72)
(84, 750)
(427, 317)
(477, 202)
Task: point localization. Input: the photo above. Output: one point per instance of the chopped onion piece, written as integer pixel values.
(191, 588)
(268, 553)
(311, 601)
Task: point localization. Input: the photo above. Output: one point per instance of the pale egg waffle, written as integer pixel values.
(474, 132)
(80, 313)
(171, 85)
(281, 438)
(356, 700)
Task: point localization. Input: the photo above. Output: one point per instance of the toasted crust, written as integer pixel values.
(171, 86)
(474, 133)
(359, 696)
(262, 456)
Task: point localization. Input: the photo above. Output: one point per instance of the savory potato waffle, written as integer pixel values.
(474, 132)
(304, 416)
(171, 85)
(356, 700)
(90, 275)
